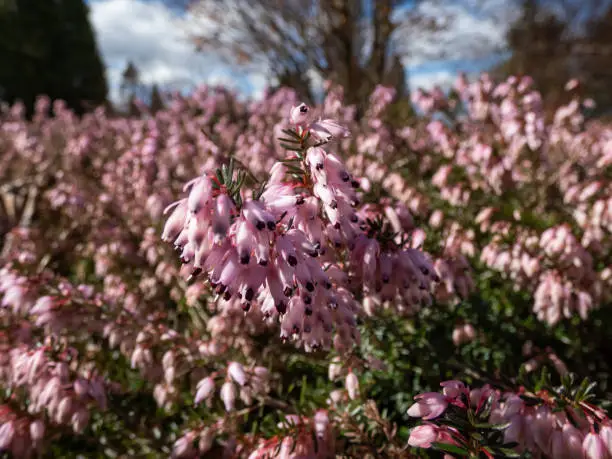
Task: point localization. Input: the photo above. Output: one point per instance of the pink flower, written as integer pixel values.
(183, 447)
(325, 130)
(236, 371)
(573, 441)
(423, 436)
(429, 405)
(352, 385)
(299, 115)
(593, 447)
(7, 431)
(453, 389)
(205, 389)
(606, 436)
(228, 395)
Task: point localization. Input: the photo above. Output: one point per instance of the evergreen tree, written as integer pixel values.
(131, 89)
(539, 42)
(596, 72)
(49, 48)
(157, 102)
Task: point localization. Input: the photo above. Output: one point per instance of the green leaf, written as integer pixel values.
(492, 426)
(303, 390)
(506, 452)
(219, 176)
(452, 449)
(230, 170)
(284, 139)
(291, 133)
(290, 147)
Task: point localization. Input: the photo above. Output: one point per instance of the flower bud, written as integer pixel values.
(205, 389)
(423, 436)
(183, 447)
(228, 395)
(37, 430)
(352, 385)
(206, 440)
(7, 432)
(236, 372)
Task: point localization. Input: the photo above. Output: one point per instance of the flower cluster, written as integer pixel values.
(543, 423)
(279, 248)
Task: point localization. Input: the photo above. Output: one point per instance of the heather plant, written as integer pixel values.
(231, 278)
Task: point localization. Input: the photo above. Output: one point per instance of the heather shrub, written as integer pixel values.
(230, 278)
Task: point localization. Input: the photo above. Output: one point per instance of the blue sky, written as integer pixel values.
(153, 36)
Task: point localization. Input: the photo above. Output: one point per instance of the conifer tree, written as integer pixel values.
(49, 48)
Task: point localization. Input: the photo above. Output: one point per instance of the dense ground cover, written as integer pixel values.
(266, 279)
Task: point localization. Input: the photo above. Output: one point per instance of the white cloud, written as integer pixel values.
(470, 32)
(151, 35)
(154, 37)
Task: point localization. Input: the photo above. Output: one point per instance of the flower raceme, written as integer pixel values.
(279, 249)
(539, 424)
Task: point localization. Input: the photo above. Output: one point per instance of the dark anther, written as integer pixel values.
(292, 260)
(288, 291)
(303, 109)
(307, 300)
(310, 286)
(308, 311)
(355, 184)
(281, 307)
(344, 176)
(263, 262)
(245, 258)
(249, 294)
(300, 200)
(260, 225)
(245, 306)
(271, 225)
